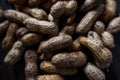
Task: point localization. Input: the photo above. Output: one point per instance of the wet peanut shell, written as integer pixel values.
(21, 32)
(44, 27)
(93, 72)
(16, 16)
(89, 19)
(114, 25)
(72, 59)
(107, 39)
(49, 77)
(31, 39)
(88, 5)
(3, 27)
(48, 67)
(36, 13)
(99, 27)
(9, 39)
(55, 43)
(15, 53)
(102, 55)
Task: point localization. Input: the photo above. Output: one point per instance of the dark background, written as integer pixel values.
(16, 72)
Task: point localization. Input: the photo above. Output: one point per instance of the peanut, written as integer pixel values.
(31, 69)
(9, 39)
(110, 10)
(3, 27)
(48, 67)
(102, 55)
(99, 27)
(16, 16)
(63, 7)
(114, 25)
(107, 39)
(73, 59)
(44, 27)
(15, 53)
(31, 39)
(49, 77)
(55, 43)
(93, 72)
(89, 19)
(36, 13)
(88, 5)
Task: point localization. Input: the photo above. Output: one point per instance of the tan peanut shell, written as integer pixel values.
(49, 77)
(31, 39)
(110, 10)
(114, 25)
(88, 5)
(55, 43)
(102, 55)
(44, 27)
(48, 67)
(89, 19)
(21, 32)
(107, 39)
(9, 39)
(36, 13)
(16, 16)
(70, 60)
(93, 72)
(31, 69)
(15, 53)
(99, 27)
(3, 27)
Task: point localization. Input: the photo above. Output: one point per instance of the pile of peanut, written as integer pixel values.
(56, 33)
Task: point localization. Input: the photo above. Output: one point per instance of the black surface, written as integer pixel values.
(16, 72)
